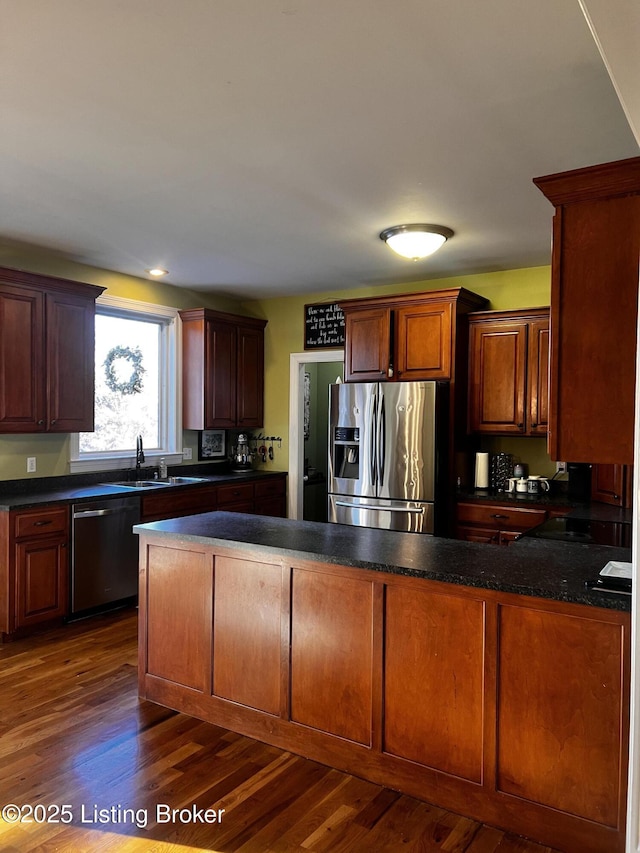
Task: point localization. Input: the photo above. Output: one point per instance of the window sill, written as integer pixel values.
(120, 462)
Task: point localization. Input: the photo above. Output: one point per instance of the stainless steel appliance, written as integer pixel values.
(387, 452)
(104, 560)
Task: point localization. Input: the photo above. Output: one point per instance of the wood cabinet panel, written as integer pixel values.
(497, 524)
(612, 484)
(423, 341)
(220, 375)
(70, 358)
(433, 699)
(222, 370)
(234, 493)
(594, 295)
(332, 645)
(42, 569)
(179, 627)
(560, 715)
(46, 353)
(21, 359)
(174, 503)
(538, 377)
(367, 344)
(247, 660)
(250, 377)
(41, 522)
(508, 375)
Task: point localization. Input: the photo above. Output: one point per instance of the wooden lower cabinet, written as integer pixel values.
(509, 709)
(332, 645)
(496, 524)
(34, 568)
(433, 682)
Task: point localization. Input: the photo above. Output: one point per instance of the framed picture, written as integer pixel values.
(211, 443)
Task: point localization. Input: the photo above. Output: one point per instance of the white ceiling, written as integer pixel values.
(258, 147)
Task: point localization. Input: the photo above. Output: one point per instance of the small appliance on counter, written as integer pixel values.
(579, 488)
(242, 459)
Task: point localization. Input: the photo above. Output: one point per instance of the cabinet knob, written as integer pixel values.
(534, 425)
(497, 515)
(53, 422)
(616, 497)
(520, 426)
(41, 523)
(40, 422)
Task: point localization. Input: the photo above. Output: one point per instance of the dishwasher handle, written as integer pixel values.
(96, 513)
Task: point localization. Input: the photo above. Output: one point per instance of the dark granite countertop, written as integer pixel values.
(551, 570)
(76, 488)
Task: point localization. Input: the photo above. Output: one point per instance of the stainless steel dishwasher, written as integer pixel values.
(104, 559)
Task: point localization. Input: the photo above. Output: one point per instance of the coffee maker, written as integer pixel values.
(579, 481)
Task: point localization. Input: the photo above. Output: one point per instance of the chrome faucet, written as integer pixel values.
(139, 453)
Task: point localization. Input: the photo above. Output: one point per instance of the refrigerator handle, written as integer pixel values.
(372, 440)
(381, 438)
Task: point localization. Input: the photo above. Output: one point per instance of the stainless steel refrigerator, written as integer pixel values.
(387, 454)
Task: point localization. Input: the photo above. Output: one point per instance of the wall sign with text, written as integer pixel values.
(323, 326)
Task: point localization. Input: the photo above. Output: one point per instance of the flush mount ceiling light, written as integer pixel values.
(157, 272)
(415, 241)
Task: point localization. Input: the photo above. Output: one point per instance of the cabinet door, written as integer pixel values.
(220, 375)
(332, 645)
(248, 660)
(250, 378)
(70, 354)
(367, 347)
(560, 713)
(610, 484)
(538, 378)
(423, 341)
(594, 298)
(498, 356)
(22, 372)
(484, 535)
(433, 677)
(42, 569)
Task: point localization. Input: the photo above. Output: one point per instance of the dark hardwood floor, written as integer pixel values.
(73, 733)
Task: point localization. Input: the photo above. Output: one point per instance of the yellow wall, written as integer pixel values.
(52, 451)
(284, 334)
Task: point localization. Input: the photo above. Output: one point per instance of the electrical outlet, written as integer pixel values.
(561, 467)
(31, 464)
(187, 453)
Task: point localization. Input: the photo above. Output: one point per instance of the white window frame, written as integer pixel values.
(170, 392)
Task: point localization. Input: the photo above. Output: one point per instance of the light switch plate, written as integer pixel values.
(187, 453)
(31, 464)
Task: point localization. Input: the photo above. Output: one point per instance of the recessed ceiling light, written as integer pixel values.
(157, 271)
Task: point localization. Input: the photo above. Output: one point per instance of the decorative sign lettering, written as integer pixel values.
(323, 326)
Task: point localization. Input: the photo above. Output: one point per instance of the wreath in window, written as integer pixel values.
(120, 362)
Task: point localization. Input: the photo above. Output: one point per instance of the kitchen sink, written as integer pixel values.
(139, 484)
(157, 484)
(181, 481)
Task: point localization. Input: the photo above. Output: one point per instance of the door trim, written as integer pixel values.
(297, 361)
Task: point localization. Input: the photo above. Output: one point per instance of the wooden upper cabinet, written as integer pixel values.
(46, 354)
(508, 372)
(594, 294)
(412, 336)
(223, 370)
(367, 344)
(423, 336)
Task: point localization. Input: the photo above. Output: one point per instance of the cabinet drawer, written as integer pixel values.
(41, 522)
(267, 488)
(168, 503)
(499, 516)
(234, 492)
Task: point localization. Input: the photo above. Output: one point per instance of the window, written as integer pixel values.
(136, 388)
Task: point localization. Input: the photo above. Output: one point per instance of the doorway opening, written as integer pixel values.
(322, 364)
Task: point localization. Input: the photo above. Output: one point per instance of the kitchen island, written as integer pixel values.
(492, 682)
